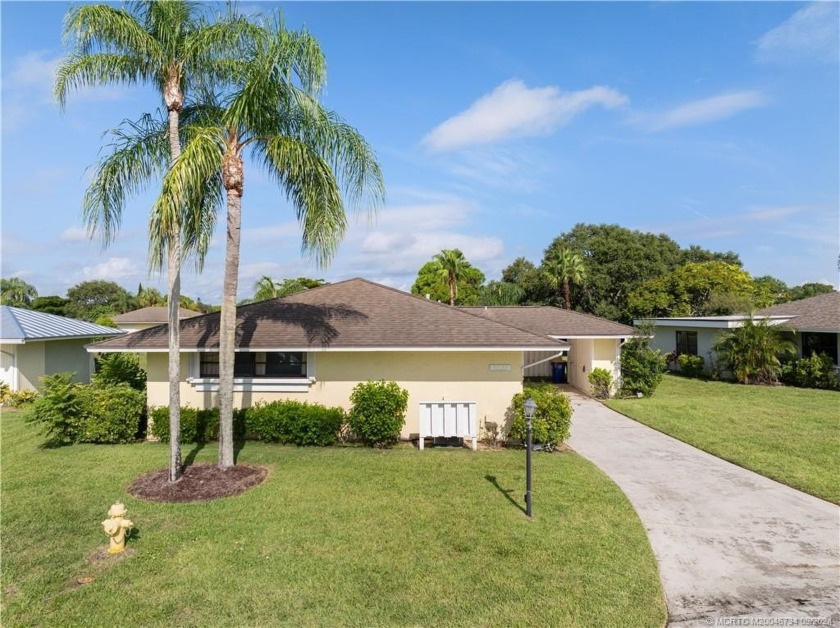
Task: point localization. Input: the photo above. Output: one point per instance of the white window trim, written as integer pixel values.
(253, 384)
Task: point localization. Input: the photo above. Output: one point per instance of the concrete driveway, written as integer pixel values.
(729, 543)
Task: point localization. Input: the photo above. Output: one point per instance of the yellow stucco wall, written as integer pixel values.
(586, 355)
(428, 376)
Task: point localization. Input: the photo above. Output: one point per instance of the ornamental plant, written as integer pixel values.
(378, 413)
(552, 418)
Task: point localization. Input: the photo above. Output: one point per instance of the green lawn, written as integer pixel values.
(339, 536)
(789, 434)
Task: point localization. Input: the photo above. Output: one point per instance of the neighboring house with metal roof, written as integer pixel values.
(149, 317)
(460, 369)
(593, 342)
(34, 344)
(814, 323)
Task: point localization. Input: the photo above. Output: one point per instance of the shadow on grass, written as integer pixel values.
(190, 457)
(506, 492)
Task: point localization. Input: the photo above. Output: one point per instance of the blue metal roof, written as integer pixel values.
(19, 325)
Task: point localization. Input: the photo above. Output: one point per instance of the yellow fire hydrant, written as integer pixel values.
(116, 527)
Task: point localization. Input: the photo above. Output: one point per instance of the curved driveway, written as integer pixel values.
(729, 542)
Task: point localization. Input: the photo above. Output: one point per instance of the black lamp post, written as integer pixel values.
(530, 408)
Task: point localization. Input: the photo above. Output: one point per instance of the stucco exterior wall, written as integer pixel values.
(30, 364)
(665, 339)
(428, 376)
(68, 355)
(587, 354)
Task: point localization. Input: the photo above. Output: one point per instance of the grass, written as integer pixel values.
(789, 434)
(337, 536)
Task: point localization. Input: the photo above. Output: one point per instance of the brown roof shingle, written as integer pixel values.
(152, 315)
(351, 314)
(819, 313)
(552, 321)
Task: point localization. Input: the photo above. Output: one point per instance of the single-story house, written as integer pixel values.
(147, 317)
(461, 369)
(34, 344)
(814, 324)
(593, 342)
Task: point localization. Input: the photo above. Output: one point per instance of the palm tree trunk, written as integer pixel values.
(174, 295)
(232, 175)
(566, 294)
(451, 289)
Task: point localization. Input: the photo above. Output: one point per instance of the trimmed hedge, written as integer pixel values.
(378, 412)
(691, 365)
(552, 418)
(288, 422)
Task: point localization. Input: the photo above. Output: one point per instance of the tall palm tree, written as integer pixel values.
(452, 265)
(563, 267)
(16, 292)
(273, 112)
(169, 45)
(149, 297)
(752, 352)
(266, 288)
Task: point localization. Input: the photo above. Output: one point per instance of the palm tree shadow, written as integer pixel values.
(189, 459)
(506, 492)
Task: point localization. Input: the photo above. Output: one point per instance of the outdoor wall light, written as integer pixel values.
(530, 409)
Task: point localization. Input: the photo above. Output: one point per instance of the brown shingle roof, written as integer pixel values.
(552, 321)
(346, 315)
(152, 315)
(819, 313)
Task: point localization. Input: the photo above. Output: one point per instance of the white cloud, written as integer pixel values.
(73, 234)
(701, 111)
(114, 269)
(515, 110)
(809, 34)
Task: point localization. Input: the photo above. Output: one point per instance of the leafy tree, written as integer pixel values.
(52, 304)
(642, 367)
(91, 299)
(149, 297)
(561, 268)
(271, 108)
(17, 293)
(752, 352)
(168, 45)
(770, 291)
(433, 279)
(500, 293)
(699, 255)
(693, 289)
(529, 279)
(807, 290)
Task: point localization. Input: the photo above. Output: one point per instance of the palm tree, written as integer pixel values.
(266, 288)
(169, 45)
(16, 292)
(751, 352)
(563, 267)
(451, 265)
(272, 111)
(149, 297)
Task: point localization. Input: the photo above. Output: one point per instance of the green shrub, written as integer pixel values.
(602, 383)
(691, 365)
(378, 412)
(111, 414)
(119, 368)
(197, 425)
(5, 393)
(816, 371)
(642, 368)
(550, 425)
(295, 422)
(59, 410)
(23, 397)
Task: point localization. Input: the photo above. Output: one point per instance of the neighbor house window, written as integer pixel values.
(687, 342)
(258, 364)
(813, 342)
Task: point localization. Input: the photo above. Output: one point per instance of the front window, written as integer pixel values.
(813, 342)
(687, 342)
(257, 364)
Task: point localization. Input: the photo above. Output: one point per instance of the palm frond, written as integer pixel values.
(82, 70)
(94, 28)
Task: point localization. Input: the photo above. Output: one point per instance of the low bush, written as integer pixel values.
(552, 418)
(22, 398)
(5, 393)
(111, 414)
(691, 365)
(642, 368)
(816, 371)
(602, 383)
(197, 425)
(378, 412)
(295, 422)
(70, 412)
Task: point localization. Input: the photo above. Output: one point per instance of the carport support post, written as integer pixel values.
(530, 407)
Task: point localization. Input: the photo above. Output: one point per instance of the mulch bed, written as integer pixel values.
(199, 483)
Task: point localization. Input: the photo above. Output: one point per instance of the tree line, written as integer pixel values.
(616, 273)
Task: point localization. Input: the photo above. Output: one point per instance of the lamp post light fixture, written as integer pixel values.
(530, 409)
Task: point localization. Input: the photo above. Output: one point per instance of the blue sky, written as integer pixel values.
(498, 127)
